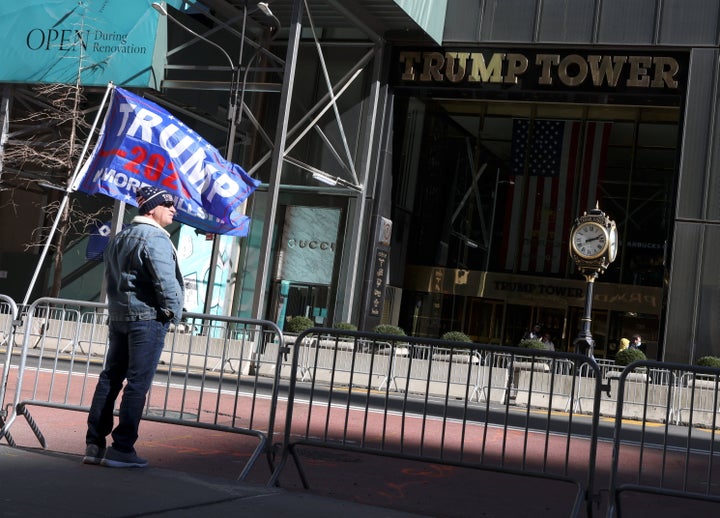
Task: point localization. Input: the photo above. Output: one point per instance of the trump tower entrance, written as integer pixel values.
(489, 180)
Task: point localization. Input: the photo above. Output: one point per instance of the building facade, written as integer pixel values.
(528, 115)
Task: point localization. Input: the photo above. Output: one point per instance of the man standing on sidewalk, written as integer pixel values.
(145, 294)
(636, 342)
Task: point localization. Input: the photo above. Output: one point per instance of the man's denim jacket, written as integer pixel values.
(143, 277)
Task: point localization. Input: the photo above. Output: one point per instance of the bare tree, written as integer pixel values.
(50, 126)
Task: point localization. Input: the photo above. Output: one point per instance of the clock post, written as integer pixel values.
(584, 341)
(593, 247)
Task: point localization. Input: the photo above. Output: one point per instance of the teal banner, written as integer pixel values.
(428, 14)
(54, 41)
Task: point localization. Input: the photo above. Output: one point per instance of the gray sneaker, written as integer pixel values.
(93, 454)
(118, 459)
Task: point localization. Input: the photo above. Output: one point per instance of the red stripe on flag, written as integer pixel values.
(596, 145)
(568, 212)
(552, 223)
(507, 262)
(587, 192)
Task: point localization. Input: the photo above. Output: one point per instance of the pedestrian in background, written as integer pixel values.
(145, 294)
(547, 342)
(624, 344)
(535, 333)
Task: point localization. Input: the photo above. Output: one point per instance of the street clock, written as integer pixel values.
(593, 246)
(593, 241)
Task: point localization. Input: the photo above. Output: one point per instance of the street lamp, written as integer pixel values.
(233, 115)
(265, 9)
(160, 8)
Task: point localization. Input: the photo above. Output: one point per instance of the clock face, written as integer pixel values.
(613, 243)
(590, 240)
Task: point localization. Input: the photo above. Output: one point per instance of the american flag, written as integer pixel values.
(560, 158)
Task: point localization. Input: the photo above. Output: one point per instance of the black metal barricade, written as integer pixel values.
(503, 409)
(454, 403)
(8, 322)
(215, 372)
(677, 455)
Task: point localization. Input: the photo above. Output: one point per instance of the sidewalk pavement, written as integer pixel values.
(193, 472)
(46, 483)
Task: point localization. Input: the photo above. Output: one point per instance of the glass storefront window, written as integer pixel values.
(489, 191)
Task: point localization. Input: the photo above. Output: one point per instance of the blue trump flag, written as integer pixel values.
(140, 143)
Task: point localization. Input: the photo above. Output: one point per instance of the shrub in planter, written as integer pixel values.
(388, 329)
(709, 361)
(534, 364)
(627, 356)
(347, 326)
(298, 324)
(528, 343)
(456, 336)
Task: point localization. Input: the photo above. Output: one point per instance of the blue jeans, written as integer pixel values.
(133, 355)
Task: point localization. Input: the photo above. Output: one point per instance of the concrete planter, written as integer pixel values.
(633, 376)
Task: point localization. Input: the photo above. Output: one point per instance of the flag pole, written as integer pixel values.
(68, 190)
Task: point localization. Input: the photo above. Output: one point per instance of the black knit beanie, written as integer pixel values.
(149, 197)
